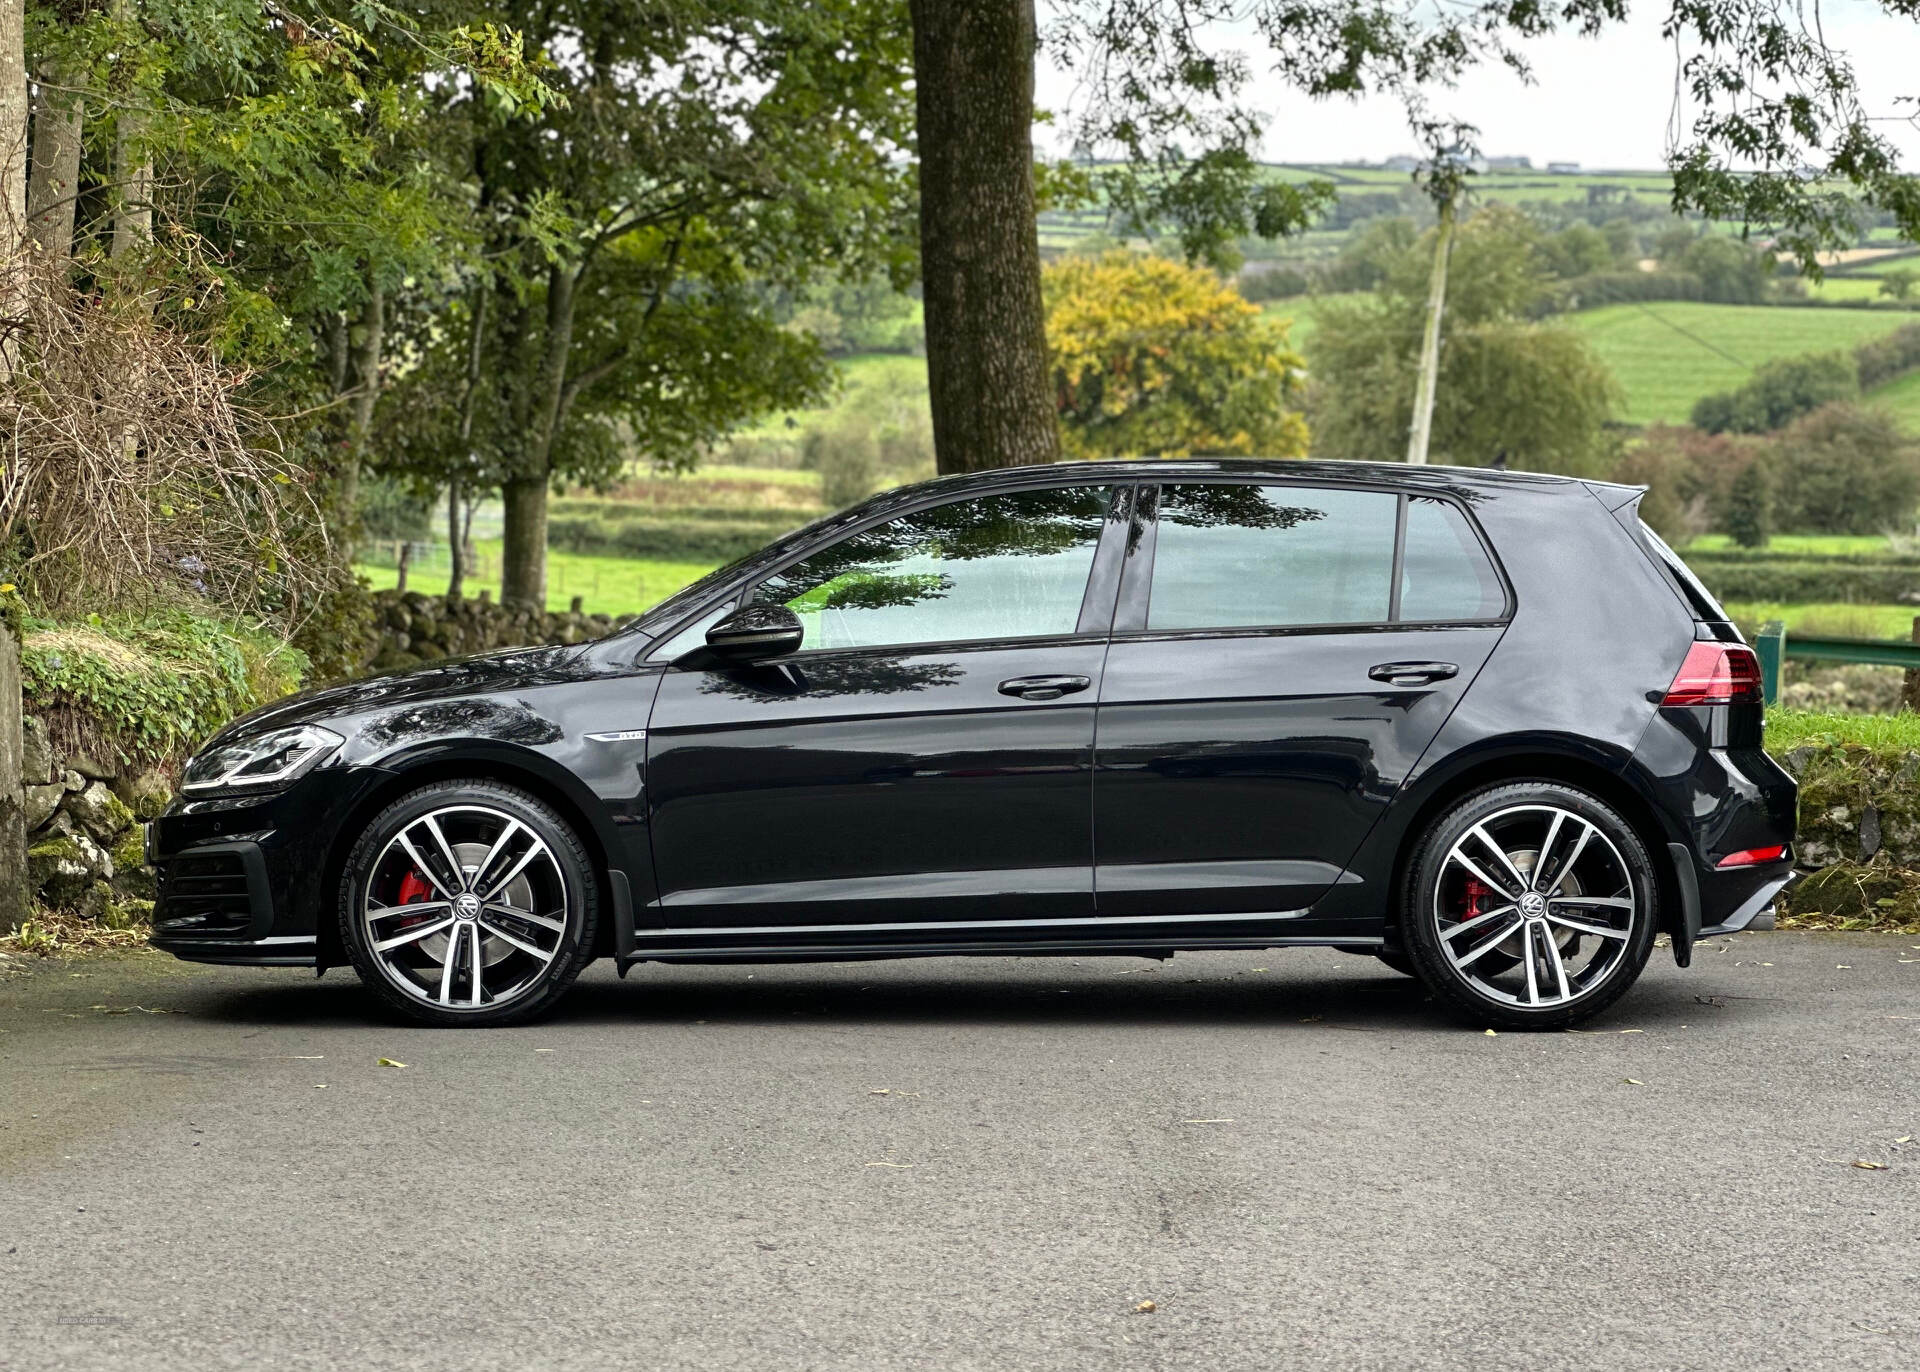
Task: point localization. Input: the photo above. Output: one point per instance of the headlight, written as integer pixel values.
(271, 759)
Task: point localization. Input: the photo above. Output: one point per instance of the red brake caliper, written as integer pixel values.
(1475, 894)
(413, 890)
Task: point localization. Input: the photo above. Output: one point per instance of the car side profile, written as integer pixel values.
(1482, 725)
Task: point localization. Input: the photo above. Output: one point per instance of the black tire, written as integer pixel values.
(498, 936)
(1547, 990)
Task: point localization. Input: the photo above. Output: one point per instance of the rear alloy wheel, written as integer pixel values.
(468, 903)
(1530, 905)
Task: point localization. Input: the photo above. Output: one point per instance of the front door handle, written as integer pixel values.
(1044, 687)
(1413, 673)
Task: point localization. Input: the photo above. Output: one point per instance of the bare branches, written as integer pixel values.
(129, 467)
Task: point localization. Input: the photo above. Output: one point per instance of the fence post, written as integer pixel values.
(1910, 686)
(1771, 645)
(13, 800)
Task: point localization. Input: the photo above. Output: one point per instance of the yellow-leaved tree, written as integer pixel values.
(1151, 358)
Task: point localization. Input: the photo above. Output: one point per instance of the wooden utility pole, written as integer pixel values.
(1420, 432)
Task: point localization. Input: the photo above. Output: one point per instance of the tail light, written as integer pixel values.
(1754, 857)
(1717, 674)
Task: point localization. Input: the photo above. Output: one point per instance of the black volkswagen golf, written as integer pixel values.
(1483, 726)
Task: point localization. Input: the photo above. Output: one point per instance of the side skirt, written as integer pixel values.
(693, 951)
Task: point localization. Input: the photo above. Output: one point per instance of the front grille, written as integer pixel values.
(206, 895)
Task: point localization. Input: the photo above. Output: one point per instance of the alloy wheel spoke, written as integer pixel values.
(1479, 921)
(1584, 927)
(486, 863)
(534, 850)
(1496, 936)
(413, 935)
(1596, 902)
(531, 949)
(432, 824)
(1520, 878)
(1551, 947)
(451, 959)
(1566, 868)
(1480, 875)
(559, 926)
(1526, 958)
(478, 967)
(422, 866)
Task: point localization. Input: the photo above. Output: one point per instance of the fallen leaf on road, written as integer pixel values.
(1633, 1031)
(1145, 1308)
(543, 1050)
(319, 1086)
(1843, 966)
(1206, 1121)
(1633, 1081)
(1866, 1166)
(389, 1062)
(883, 1091)
(1904, 1138)
(1311, 1019)
(1490, 1033)
(1259, 969)
(903, 1166)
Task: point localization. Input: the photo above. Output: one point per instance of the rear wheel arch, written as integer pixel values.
(1568, 770)
(490, 767)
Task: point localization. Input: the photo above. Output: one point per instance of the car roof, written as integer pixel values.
(1294, 469)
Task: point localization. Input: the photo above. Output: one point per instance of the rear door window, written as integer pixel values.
(1240, 555)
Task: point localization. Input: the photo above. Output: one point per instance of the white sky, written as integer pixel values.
(1604, 103)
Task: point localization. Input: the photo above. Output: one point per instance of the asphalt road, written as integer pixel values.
(967, 1164)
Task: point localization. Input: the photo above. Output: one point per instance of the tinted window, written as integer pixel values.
(1000, 566)
(1446, 574)
(1233, 555)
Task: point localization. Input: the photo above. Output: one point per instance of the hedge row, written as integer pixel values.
(1808, 581)
(707, 540)
(629, 512)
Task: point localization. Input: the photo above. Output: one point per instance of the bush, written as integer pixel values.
(847, 458)
(1882, 359)
(1749, 517)
(1845, 469)
(147, 688)
(1778, 393)
(1792, 580)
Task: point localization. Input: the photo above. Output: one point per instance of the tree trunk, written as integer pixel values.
(979, 242)
(367, 353)
(523, 560)
(523, 570)
(13, 808)
(133, 188)
(55, 178)
(469, 398)
(13, 170)
(456, 550)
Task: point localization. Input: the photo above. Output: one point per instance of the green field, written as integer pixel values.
(1902, 396)
(1827, 621)
(608, 585)
(1801, 545)
(1669, 354)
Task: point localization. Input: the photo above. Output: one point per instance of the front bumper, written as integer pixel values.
(244, 879)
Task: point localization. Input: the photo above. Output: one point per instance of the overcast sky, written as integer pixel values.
(1604, 103)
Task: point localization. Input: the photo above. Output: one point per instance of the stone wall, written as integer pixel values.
(412, 627)
(85, 845)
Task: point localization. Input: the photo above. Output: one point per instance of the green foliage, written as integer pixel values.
(1152, 358)
(1533, 394)
(1779, 392)
(147, 688)
(1749, 510)
(1900, 284)
(1880, 360)
(848, 460)
(1846, 469)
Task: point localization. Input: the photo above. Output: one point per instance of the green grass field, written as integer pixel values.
(1669, 354)
(609, 585)
(1791, 728)
(1828, 620)
(1803, 545)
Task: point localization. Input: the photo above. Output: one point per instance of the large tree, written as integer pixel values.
(1164, 96)
(979, 243)
(694, 148)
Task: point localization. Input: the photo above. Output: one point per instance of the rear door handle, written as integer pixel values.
(1044, 687)
(1413, 673)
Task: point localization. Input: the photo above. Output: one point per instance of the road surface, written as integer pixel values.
(963, 1164)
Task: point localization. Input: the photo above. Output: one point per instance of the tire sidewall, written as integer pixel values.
(570, 858)
(1421, 939)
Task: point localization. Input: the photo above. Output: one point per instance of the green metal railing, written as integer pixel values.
(1775, 647)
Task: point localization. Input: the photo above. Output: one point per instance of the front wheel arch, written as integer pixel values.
(332, 952)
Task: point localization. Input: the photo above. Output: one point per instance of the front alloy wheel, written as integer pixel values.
(468, 903)
(1530, 905)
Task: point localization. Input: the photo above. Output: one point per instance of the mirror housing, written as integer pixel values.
(756, 633)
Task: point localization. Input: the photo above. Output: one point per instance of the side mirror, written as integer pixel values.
(755, 633)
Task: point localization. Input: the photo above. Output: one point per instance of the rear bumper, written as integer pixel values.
(1750, 909)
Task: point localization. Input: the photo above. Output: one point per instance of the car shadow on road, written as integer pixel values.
(1317, 998)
